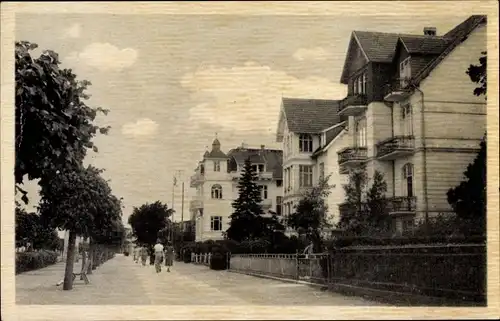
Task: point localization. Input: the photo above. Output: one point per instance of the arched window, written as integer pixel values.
(305, 143)
(408, 179)
(217, 191)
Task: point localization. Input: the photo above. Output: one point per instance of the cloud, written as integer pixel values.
(316, 53)
(143, 127)
(73, 32)
(105, 57)
(248, 97)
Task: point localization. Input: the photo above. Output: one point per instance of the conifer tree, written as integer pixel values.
(247, 222)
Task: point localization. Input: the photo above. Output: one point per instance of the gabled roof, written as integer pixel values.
(429, 45)
(330, 136)
(456, 36)
(310, 116)
(273, 158)
(216, 154)
(381, 47)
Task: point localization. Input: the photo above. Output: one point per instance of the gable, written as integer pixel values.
(355, 59)
(280, 132)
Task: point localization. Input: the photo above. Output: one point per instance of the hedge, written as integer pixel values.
(28, 261)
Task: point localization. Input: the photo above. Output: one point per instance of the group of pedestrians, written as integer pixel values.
(159, 252)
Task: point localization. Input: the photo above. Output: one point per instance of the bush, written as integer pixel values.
(28, 261)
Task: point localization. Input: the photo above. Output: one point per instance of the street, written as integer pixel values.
(120, 281)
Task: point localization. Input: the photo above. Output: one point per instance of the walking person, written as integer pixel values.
(169, 256)
(143, 252)
(158, 252)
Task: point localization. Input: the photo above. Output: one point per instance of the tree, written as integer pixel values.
(54, 126)
(378, 221)
(147, 220)
(79, 201)
(366, 211)
(477, 74)
(352, 218)
(32, 233)
(311, 214)
(468, 199)
(247, 222)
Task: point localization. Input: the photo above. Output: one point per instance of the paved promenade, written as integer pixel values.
(123, 282)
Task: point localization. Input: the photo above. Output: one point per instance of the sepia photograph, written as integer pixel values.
(316, 161)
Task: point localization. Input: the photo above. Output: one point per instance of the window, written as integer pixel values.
(263, 190)
(305, 175)
(323, 139)
(261, 168)
(305, 143)
(360, 84)
(217, 191)
(361, 132)
(289, 178)
(216, 223)
(407, 119)
(408, 179)
(254, 168)
(279, 183)
(405, 71)
(202, 169)
(279, 202)
(321, 171)
(216, 166)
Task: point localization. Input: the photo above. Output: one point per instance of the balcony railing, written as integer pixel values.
(261, 175)
(395, 147)
(398, 89)
(353, 105)
(267, 203)
(197, 179)
(352, 155)
(402, 205)
(196, 204)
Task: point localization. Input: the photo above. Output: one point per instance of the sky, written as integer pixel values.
(172, 82)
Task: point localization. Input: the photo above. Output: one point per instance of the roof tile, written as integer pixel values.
(310, 115)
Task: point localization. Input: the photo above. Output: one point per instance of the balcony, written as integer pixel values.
(197, 179)
(262, 176)
(196, 204)
(396, 147)
(267, 203)
(402, 205)
(351, 156)
(398, 90)
(353, 105)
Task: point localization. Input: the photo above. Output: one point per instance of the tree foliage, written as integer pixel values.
(80, 201)
(147, 220)
(247, 222)
(468, 199)
(33, 233)
(54, 126)
(366, 210)
(311, 214)
(477, 74)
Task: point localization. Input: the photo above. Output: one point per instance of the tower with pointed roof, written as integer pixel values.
(215, 183)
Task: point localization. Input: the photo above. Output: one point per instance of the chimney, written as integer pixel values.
(430, 31)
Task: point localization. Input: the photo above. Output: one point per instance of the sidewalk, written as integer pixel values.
(109, 284)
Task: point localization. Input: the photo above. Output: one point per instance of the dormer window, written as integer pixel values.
(323, 139)
(305, 143)
(405, 71)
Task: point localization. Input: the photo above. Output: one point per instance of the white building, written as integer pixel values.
(216, 179)
(311, 131)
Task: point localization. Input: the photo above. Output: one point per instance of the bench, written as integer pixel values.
(83, 272)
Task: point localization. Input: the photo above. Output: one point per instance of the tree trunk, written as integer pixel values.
(91, 256)
(70, 261)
